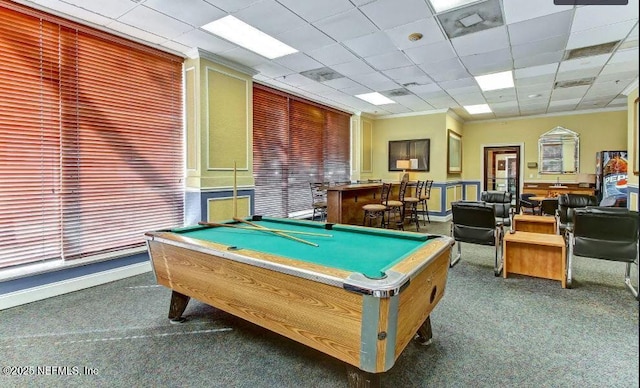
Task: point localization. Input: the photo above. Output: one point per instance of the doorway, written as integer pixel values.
(502, 170)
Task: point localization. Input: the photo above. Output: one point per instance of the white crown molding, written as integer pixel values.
(197, 52)
(555, 114)
(631, 87)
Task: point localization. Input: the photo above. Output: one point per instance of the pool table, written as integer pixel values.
(360, 296)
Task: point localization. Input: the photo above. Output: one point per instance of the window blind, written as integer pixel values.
(303, 142)
(90, 139)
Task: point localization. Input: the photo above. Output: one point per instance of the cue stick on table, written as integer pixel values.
(277, 233)
(263, 229)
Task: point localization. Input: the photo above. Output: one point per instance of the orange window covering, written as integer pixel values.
(296, 141)
(91, 148)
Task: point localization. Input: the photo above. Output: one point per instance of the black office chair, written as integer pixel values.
(548, 206)
(567, 203)
(475, 223)
(605, 233)
(528, 205)
(501, 201)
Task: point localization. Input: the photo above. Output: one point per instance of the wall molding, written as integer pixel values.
(45, 291)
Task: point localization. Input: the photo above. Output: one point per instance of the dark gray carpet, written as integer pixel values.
(488, 331)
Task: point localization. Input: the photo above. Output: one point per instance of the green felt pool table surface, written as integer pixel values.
(365, 250)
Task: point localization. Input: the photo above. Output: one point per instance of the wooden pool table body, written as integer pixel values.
(364, 322)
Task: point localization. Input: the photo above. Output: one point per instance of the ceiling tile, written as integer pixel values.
(370, 44)
(298, 62)
(375, 81)
(111, 9)
(453, 92)
(295, 80)
(405, 74)
(353, 68)
(519, 10)
(305, 38)
(534, 71)
(544, 79)
(150, 20)
(316, 10)
(460, 83)
(389, 60)
(584, 63)
(491, 62)
(480, 42)
(620, 56)
(587, 18)
(270, 17)
(539, 59)
(97, 15)
(428, 27)
(358, 89)
(554, 44)
(332, 55)
(569, 93)
(388, 13)
(598, 35)
(342, 83)
(175, 46)
(620, 67)
(470, 99)
(425, 90)
(346, 25)
(136, 32)
(228, 5)
(431, 53)
(273, 70)
(194, 12)
(243, 56)
(529, 30)
(205, 41)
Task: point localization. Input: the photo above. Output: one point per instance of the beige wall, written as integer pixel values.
(597, 131)
(219, 125)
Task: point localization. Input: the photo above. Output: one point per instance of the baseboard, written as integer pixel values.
(33, 294)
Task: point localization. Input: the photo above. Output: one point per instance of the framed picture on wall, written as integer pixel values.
(454, 153)
(417, 151)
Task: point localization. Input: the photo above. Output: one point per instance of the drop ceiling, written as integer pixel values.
(563, 58)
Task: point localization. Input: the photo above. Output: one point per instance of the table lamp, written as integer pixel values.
(404, 165)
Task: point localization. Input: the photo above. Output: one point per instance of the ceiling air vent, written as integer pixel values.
(396, 92)
(590, 51)
(322, 74)
(573, 82)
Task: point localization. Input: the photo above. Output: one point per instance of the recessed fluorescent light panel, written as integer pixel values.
(495, 81)
(242, 34)
(445, 5)
(375, 98)
(477, 109)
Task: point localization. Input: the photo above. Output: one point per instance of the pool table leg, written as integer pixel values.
(424, 334)
(361, 379)
(177, 307)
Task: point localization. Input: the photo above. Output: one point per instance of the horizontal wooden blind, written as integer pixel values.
(270, 151)
(93, 129)
(295, 142)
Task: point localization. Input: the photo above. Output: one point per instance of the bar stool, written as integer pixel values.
(424, 198)
(373, 211)
(412, 204)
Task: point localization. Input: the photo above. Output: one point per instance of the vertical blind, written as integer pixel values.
(91, 152)
(295, 142)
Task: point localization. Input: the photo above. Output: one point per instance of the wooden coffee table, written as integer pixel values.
(535, 254)
(535, 224)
